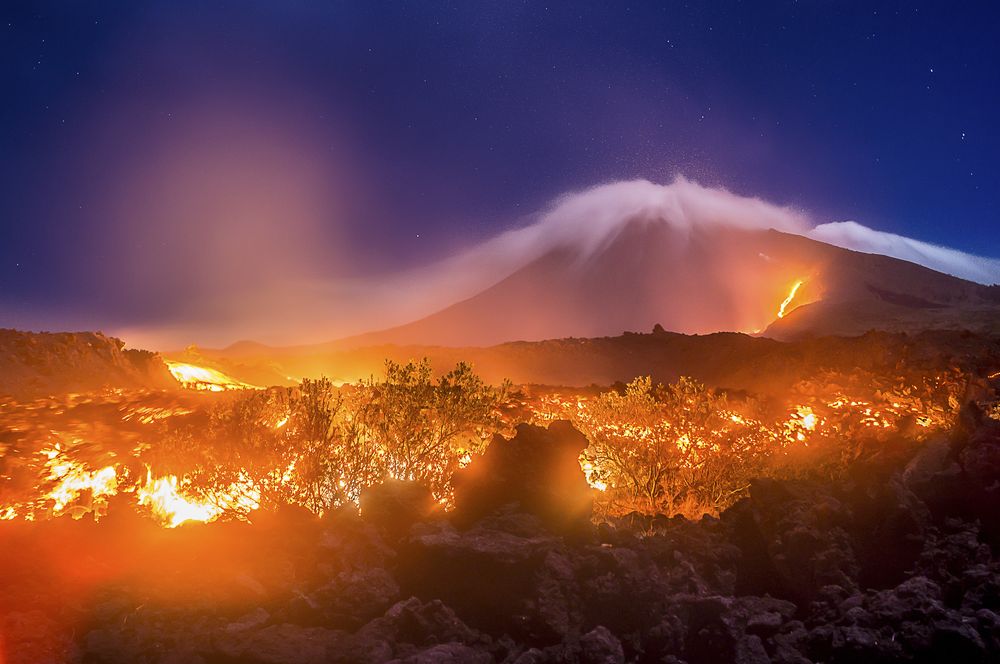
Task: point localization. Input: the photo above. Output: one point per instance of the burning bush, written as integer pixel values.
(680, 448)
(671, 449)
(318, 446)
(410, 426)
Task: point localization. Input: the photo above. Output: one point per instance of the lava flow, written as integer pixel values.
(195, 377)
(783, 309)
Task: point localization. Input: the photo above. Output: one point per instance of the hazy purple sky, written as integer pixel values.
(166, 160)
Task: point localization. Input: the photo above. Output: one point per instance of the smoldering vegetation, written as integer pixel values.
(424, 514)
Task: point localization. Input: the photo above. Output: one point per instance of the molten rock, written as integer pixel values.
(538, 470)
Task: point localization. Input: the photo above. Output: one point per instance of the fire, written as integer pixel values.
(168, 505)
(788, 300)
(194, 377)
(802, 422)
(72, 480)
(68, 480)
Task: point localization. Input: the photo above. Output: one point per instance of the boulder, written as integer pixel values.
(395, 505)
(538, 470)
(599, 646)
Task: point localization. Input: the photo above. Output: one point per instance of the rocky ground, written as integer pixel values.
(898, 563)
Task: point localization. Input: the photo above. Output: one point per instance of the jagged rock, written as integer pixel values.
(447, 653)
(501, 580)
(416, 623)
(33, 364)
(349, 600)
(531, 656)
(280, 644)
(538, 470)
(599, 646)
(622, 589)
(251, 620)
(795, 540)
(395, 505)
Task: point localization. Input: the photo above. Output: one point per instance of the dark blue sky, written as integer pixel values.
(398, 132)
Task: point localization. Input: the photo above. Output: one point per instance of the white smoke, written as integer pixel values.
(852, 235)
(581, 222)
(585, 222)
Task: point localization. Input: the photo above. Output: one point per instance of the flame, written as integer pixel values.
(194, 377)
(167, 503)
(73, 479)
(788, 300)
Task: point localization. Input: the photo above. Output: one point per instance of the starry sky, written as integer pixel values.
(154, 152)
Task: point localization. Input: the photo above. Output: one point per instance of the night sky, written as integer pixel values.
(156, 151)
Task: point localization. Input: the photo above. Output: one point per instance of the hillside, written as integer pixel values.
(40, 364)
(723, 359)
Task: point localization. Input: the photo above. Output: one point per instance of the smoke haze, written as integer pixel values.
(282, 306)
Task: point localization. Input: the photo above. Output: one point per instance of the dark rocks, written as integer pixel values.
(876, 568)
(538, 470)
(280, 644)
(490, 574)
(396, 505)
(794, 539)
(353, 597)
(599, 646)
(448, 653)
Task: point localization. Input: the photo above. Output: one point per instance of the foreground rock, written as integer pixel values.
(896, 563)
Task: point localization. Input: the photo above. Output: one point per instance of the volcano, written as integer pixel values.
(699, 280)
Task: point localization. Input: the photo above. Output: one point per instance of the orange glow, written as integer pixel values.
(166, 499)
(194, 377)
(788, 300)
(72, 480)
(169, 506)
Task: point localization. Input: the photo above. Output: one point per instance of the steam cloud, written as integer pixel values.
(580, 222)
(852, 235)
(588, 220)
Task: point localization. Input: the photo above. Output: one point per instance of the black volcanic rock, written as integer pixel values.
(538, 470)
(395, 505)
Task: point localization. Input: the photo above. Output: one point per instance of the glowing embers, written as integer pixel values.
(71, 481)
(171, 505)
(194, 377)
(801, 423)
(783, 309)
(70, 487)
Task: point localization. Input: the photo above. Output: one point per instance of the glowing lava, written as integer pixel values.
(788, 300)
(194, 377)
(71, 480)
(167, 503)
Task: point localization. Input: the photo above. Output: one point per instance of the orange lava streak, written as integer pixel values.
(788, 300)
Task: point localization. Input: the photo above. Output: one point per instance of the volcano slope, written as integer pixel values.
(897, 563)
(36, 364)
(699, 280)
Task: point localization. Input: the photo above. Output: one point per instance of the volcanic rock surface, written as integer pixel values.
(897, 563)
(42, 364)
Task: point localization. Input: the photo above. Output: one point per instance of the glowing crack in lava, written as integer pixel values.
(788, 300)
(194, 377)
